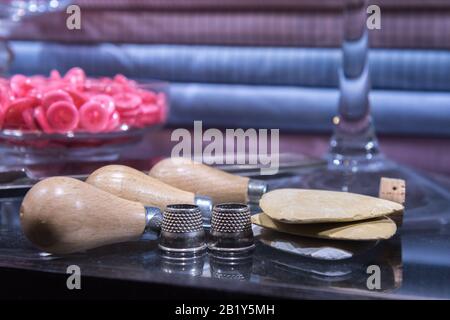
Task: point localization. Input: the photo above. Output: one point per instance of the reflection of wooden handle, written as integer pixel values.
(63, 215)
(201, 179)
(131, 184)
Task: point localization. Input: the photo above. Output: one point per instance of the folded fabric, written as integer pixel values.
(317, 28)
(251, 4)
(315, 67)
(304, 109)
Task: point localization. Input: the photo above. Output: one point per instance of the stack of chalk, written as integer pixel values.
(331, 215)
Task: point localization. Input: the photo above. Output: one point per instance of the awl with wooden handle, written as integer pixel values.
(198, 178)
(131, 184)
(63, 215)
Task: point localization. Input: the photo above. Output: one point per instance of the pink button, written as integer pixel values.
(114, 122)
(148, 96)
(39, 115)
(55, 75)
(106, 101)
(28, 118)
(75, 102)
(13, 114)
(2, 118)
(77, 96)
(126, 101)
(53, 96)
(75, 76)
(20, 85)
(93, 116)
(62, 116)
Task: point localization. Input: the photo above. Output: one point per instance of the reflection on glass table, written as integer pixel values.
(280, 266)
(331, 264)
(12, 12)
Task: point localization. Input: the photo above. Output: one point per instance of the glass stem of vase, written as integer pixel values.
(353, 145)
(6, 55)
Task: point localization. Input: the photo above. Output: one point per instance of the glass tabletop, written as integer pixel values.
(413, 264)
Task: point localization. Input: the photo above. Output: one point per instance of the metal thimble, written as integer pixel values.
(182, 233)
(231, 229)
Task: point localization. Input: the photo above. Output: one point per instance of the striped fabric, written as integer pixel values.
(254, 4)
(313, 67)
(421, 28)
(285, 107)
(305, 109)
(253, 83)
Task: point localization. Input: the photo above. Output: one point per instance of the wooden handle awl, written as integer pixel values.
(64, 215)
(202, 179)
(134, 185)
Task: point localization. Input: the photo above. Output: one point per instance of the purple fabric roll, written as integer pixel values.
(253, 4)
(400, 29)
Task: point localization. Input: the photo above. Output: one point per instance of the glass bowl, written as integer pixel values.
(21, 148)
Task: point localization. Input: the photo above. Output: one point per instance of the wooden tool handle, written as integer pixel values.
(134, 185)
(64, 215)
(202, 179)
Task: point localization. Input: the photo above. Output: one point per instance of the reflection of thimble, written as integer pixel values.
(240, 269)
(182, 231)
(191, 267)
(231, 228)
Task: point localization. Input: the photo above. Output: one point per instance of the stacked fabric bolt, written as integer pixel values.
(327, 214)
(260, 63)
(273, 87)
(258, 66)
(405, 24)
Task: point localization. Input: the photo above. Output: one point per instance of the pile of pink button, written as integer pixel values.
(74, 102)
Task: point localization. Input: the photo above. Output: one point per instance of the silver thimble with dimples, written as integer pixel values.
(182, 233)
(231, 229)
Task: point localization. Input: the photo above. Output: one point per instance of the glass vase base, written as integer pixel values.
(421, 191)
